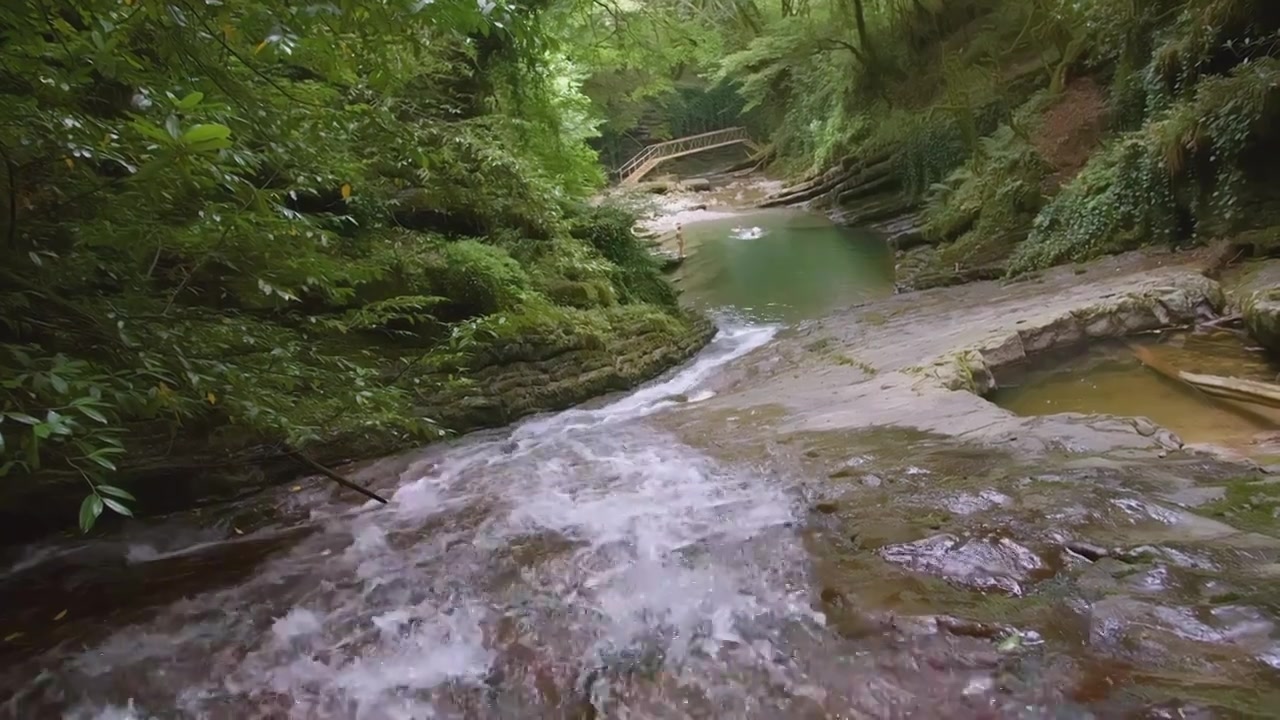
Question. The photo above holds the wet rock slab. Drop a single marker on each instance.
(922, 360)
(982, 563)
(1097, 546)
(1129, 626)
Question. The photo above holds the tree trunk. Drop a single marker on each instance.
(1246, 391)
(864, 40)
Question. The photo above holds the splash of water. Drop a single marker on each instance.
(583, 542)
(748, 233)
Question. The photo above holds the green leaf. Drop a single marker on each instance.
(159, 163)
(1010, 643)
(101, 460)
(58, 383)
(33, 453)
(211, 145)
(151, 131)
(190, 101)
(90, 509)
(23, 418)
(205, 133)
(117, 506)
(42, 431)
(116, 492)
(171, 125)
(93, 414)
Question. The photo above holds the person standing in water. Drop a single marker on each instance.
(680, 239)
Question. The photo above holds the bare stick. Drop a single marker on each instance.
(296, 455)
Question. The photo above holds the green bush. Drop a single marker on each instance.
(1185, 169)
(638, 278)
(477, 279)
(986, 208)
(241, 220)
(1121, 199)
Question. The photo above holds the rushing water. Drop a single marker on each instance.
(583, 564)
(783, 265)
(504, 571)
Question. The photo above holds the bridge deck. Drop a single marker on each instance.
(654, 155)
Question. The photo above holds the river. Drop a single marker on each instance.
(801, 522)
(582, 564)
(782, 265)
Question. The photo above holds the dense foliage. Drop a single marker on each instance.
(1029, 132)
(259, 220)
(256, 223)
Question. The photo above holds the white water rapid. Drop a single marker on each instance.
(576, 561)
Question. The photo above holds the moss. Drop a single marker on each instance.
(842, 359)
(549, 358)
(1249, 504)
(583, 295)
(477, 279)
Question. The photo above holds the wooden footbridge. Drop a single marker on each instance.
(654, 155)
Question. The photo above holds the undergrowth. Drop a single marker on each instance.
(255, 226)
(952, 93)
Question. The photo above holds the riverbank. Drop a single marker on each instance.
(668, 202)
(1102, 555)
(499, 332)
(838, 488)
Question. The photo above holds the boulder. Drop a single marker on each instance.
(1261, 311)
(1253, 290)
(655, 187)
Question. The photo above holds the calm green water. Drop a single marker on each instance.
(782, 265)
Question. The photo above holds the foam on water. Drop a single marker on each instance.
(731, 343)
(588, 536)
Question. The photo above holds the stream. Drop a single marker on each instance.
(782, 265)
(581, 564)
(512, 574)
(673, 552)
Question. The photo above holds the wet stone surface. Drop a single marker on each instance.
(985, 563)
(791, 535)
(1087, 580)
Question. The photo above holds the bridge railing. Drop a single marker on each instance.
(681, 146)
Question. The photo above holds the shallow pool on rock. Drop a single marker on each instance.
(783, 265)
(1107, 378)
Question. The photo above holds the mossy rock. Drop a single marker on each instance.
(1262, 318)
(582, 294)
(1251, 504)
(415, 208)
(556, 360)
(478, 279)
